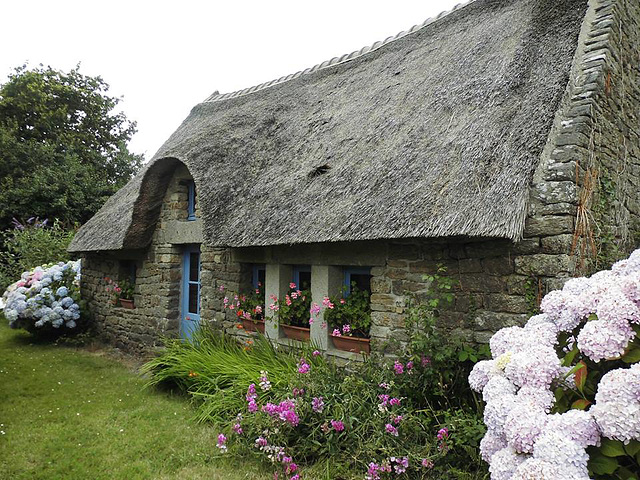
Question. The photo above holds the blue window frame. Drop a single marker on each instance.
(258, 275)
(191, 205)
(361, 276)
(302, 276)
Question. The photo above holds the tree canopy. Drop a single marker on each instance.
(63, 148)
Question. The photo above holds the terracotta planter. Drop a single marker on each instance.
(126, 303)
(297, 333)
(352, 344)
(253, 325)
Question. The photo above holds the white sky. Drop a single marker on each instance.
(165, 57)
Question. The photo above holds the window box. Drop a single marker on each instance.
(253, 325)
(127, 303)
(297, 333)
(352, 344)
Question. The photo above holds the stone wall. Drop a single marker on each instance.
(586, 186)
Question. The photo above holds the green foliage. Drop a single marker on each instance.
(531, 295)
(62, 147)
(30, 244)
(353, 310)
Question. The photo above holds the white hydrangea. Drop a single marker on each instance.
(601, 340)
(617, 404)
(542, 398)
(523, 425)
(518, 384)
(536, 469)
(504, 464)
(509, 339)
(538, 365)
(554, 447)
(496, 412)
(497, 387)
(481, 373)
(576, 425)
(490, 444)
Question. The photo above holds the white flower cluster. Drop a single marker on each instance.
(525, 441)
(44, 296)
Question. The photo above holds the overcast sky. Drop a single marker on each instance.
(165, 57)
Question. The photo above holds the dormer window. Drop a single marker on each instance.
(191, 200)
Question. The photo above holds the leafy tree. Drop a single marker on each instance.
(63, 150)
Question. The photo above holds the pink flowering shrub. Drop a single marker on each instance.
(562, 393)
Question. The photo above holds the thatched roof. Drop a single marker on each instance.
(436, 133)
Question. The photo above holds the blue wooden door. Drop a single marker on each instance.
(190, 291)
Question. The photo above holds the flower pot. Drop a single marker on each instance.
(352, 344)
(127, 303)
(297, 333)
(253, 325)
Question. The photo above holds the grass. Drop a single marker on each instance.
(68, 413)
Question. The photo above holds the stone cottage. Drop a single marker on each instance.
(500, 139)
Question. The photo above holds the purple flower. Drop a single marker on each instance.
(394, 402)
(336, 332)
(426, 463)
(443, 433)
(398, 368)
(401, 464)
(337, 425)
(303, 366)
(409, 365)
(317, 404)
(238, 429)
(346, 328)
(391, 429)
(261, 442)
(316, 353)
(397, 419)
(221, 443)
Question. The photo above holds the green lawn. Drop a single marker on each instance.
(70, 413)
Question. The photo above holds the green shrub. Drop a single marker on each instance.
(30, 244)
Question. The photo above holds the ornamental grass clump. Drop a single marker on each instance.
(562, 393)
(46, 300)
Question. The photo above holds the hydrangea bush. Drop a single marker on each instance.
(45, 299)
(562, 393)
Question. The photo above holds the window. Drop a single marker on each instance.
(302, 276)
(128, 270)
(258, 275)
(191, 199)
(358, 276)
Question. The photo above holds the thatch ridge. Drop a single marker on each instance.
(434, 134)
(217, 97)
